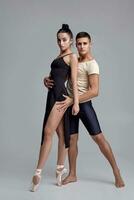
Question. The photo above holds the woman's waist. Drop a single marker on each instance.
(57, 94)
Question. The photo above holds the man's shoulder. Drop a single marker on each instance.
(92, 63)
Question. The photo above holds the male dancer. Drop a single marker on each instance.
(88, 87)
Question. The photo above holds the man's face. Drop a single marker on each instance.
(83, 45)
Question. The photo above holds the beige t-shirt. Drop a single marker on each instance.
(84, 70)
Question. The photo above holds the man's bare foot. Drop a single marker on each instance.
(69, 179)
(118, 179)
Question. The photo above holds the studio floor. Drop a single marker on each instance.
(95, 181)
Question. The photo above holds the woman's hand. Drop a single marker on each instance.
(75, 109)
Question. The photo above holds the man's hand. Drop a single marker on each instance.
(63, 105)
(48, 82)
(75, 109)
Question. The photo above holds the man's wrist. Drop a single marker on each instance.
(71, 101)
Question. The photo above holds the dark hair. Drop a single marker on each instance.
(65, 29)
(83, 34)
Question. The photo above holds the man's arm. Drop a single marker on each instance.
(49, 83)
(93, 91)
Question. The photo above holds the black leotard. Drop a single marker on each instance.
(60, 72)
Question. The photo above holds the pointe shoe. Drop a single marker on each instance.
(60, 171)
(34, 186)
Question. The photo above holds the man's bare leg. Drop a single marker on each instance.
(72, 156)
(105, 148)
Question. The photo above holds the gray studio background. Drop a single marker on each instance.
(27, 47)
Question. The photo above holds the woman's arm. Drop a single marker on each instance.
(74, 71)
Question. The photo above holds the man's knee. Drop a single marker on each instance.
(99, 139)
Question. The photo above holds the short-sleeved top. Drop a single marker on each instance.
(84, 70)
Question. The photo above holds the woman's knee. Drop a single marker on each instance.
(60, 134)
(47, 133)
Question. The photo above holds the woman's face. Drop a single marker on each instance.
(64, 41)
(83, 45)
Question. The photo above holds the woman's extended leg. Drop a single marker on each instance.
(61, 156)
(62, 151)
(52, 123)
(51, 126)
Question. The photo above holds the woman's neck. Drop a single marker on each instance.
(62, 53)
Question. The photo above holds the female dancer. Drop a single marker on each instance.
(63, 67)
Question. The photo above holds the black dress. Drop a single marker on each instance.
(60, 72)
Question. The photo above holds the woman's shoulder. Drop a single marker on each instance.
(73, 56)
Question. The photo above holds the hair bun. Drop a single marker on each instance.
(65, 26)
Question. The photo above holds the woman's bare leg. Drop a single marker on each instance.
(62, 151)
(61, 156)
(51, 125)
